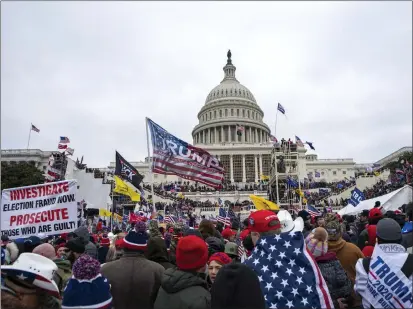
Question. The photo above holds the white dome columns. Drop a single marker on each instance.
(249, 171)
(228, 134)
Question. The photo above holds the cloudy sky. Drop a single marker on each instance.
(93, 71)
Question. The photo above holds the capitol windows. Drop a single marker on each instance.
(215, 114)
(248, 113)
(253, 115)
(220, 113)
(232, 112)
(334, 173)
(266, 164)
(233, 135)
(249, 168)
(344, 172)
(226, 113)
(210, 115)
(243, 113)
(237, 112)
(224, 159)
(237, 167)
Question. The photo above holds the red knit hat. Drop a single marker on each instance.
(227, 233)
(191, 253)
(259, 221)
(220, 257)
(375, 213)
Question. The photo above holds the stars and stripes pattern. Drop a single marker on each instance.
(35, 129)
(288, 275)
(61, 147)
(281, 109)
(32, 278)
(223, 218)
(298, 141)
(314, 212)
(64, 140)
(169, 219)
(173, 156)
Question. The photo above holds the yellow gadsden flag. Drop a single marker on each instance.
(104, 213)
(261, 203)
(124, 188)
(264, 177)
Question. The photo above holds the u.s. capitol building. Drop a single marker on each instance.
(231, 126)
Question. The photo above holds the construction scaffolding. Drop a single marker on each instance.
(284, 182)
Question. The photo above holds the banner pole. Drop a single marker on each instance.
(30, 133)
(276, 167)
(150, 161)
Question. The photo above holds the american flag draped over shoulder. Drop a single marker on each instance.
(288, 275)
(172, 156)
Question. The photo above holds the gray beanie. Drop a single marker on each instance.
(389, 230)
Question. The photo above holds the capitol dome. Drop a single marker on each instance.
(230, 114)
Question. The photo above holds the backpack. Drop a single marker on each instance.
(407, 268)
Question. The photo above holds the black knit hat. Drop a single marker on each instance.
(236, 287)
(76, 245)
(389, 230)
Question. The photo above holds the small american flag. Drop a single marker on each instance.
(288, 275)
(61, 146)
(313, 211)
(35, 129)
(169, 219)
(298, 141)
(273, 139)
(222, 217)
(281, 108)
(64, 140)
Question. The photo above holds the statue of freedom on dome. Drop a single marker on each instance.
(229, 56)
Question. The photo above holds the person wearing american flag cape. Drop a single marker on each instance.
(289, 277)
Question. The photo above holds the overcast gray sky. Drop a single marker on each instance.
(93, 71)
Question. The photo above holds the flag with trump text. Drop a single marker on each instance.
(288, 275)
(172, 156)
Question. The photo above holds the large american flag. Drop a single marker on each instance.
(223, 218)
(288, 275)
(172, 156)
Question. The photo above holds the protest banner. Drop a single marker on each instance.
(49, 208)
(387, 286)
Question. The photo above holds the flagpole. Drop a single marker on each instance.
(30, 133)
(113, 204)
(150, 163)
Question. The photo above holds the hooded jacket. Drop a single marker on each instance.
(90, 248)
(63, 274)
(157, 252)
(184, 290)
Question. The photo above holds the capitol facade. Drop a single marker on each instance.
(231, 126)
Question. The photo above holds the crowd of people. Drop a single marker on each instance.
(160, 266)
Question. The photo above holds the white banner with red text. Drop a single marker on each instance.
(49, 208)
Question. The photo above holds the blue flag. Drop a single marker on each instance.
(356, 197)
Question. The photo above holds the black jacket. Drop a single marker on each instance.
(183, 290)
(157, 252)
